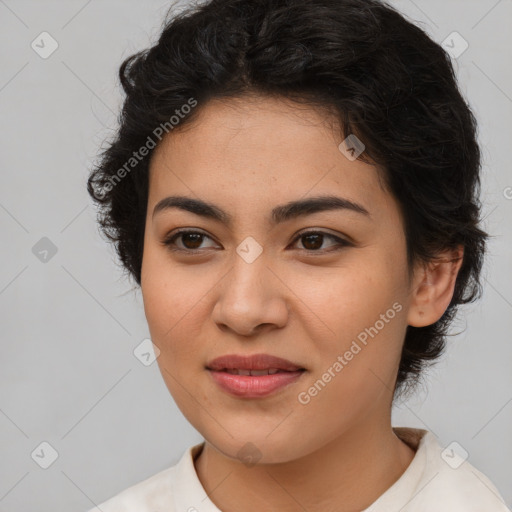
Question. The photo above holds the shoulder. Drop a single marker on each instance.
(449, 483)
(458, 485)
(163, 491)
(143, 496)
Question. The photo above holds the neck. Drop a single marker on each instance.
(345, 475)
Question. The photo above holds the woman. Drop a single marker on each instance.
(294, 186)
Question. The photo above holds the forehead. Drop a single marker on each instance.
(260, 151)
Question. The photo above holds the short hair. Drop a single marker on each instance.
(382, 77)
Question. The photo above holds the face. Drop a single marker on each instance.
(325, 288)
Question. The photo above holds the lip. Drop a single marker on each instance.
(252, 362)
(253, 386)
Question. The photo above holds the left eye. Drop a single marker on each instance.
(313, 240)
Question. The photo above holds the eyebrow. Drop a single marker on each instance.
(279, 214)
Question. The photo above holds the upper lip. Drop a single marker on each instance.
(252, 362)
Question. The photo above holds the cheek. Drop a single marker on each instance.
(359, 369)
(171, 299)
(343, 301)
(360, 316)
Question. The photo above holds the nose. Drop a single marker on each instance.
(250, 299)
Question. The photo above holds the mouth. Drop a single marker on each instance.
(257, 373)
(253, 363)
(253, 376)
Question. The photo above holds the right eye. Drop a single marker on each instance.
(190, 240)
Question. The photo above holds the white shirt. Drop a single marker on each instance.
(436, 480)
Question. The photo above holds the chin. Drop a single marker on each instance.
(252, 444)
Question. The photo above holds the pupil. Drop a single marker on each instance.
(317, 239)
(197, 240)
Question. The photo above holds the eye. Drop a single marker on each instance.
(313, 241)
(190, 239)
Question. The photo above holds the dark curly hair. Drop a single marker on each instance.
(380, 75)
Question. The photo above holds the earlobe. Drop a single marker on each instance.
(433, 287)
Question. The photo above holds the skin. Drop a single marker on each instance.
(337, 452)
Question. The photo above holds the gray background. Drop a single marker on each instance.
(70, 324)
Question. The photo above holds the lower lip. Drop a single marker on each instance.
(257, 386)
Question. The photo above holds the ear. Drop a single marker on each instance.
(433, 286)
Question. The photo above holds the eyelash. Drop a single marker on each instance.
(169, 241)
